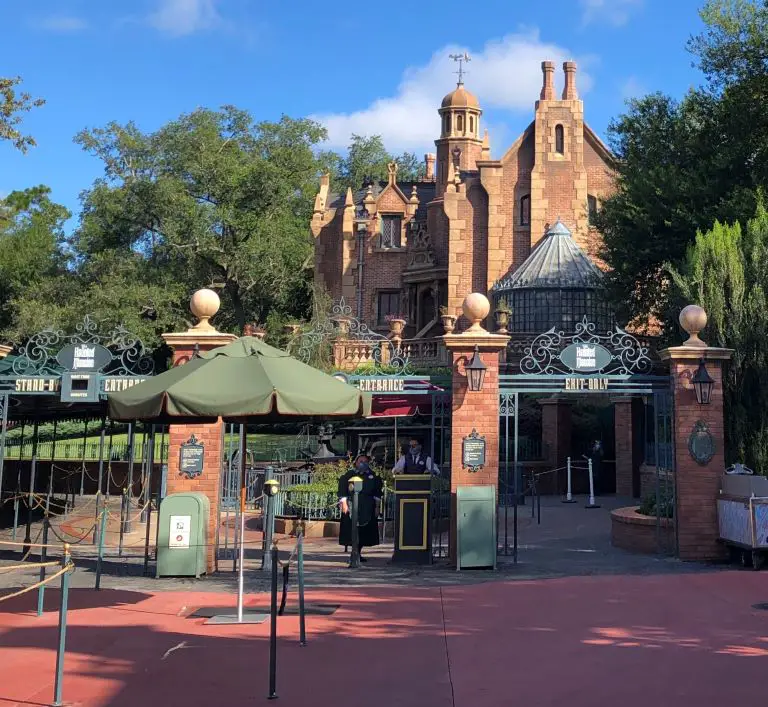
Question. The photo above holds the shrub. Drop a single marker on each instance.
(666, 504)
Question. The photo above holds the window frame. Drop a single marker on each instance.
(388, 218)
(381, 316)
(591, 209)
(559, 139)
(525, 210)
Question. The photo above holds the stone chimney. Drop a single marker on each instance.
(569, 90)
(548, 87)
(429, 166)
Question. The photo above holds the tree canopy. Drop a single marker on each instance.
(12, 105)
(367, 160)
(683, 164)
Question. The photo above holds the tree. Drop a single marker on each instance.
(211, 199)
(31, 236)
(683, 165)
(726, 272)
(11, 105)
(367, 159)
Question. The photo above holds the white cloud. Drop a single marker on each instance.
(506, 74)
(632, 88)
(613, 12)
(61, 24)
(183, 17)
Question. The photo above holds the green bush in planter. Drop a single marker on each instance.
(666, 504)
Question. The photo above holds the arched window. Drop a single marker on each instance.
(459, 123)
(472, 124)
(447, 125)
(559, 140)
(591, 209)
(525, 210)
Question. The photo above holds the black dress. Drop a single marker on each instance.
(367, 525)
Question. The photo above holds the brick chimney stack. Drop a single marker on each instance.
(548, 87)
(569, 91)
(429, 164)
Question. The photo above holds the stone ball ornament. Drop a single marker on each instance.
(204, 304)
(476, 308)
(693, 319)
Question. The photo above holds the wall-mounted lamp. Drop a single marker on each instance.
(703, 384)
(475, 370)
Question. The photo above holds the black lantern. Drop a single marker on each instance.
(475, 372)
(703, 384)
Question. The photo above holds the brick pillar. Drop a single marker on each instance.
(623, 432)
(205, 337)
(474, 410)
(556, 430)
(697, 485)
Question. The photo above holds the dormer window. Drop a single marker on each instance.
(559, 140)
(391, 227)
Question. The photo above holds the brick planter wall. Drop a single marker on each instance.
(637, 533)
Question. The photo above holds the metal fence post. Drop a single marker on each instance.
(123, 514)
(43, 558)
(100, 557)
(300, 565)
(65, 560)
(273, 627)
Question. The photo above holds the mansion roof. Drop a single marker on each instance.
(425, 191)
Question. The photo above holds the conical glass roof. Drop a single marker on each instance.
(556, 262)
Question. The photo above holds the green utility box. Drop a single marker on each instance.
(182, 535)
(475, 527)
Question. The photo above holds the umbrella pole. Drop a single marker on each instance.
(240, 569)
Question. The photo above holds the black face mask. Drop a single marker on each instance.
(416, 450)
(363, 467)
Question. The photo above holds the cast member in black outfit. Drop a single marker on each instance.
(368, 506)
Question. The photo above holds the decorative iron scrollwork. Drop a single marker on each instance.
(627, 354)
(381, 355)
(38, 355)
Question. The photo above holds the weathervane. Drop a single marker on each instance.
(461, 58)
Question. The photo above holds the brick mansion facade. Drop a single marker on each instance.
(517, 227)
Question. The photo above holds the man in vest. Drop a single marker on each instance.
(415, 461)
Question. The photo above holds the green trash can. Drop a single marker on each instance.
(476, 527)
(182, 537)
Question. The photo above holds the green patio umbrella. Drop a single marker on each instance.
(244, 380)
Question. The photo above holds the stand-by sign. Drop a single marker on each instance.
(178, 537)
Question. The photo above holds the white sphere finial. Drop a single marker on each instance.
(693, 319)
(204, 304)
(476, 308)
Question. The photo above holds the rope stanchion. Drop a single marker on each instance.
(66, 568)
(300, 566)
(37, 585)
(273, 627)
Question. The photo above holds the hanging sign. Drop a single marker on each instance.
(381, 385)
(84, 357)
(191, 458)
(179, 531)
(473, 451)
(583, 357)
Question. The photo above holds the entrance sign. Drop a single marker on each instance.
(381, 385)
(473, 451)
(84, 357)
(585, 357)
(191, 458)
(585, 351)
(178, 537)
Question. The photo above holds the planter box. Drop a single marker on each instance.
(637, 533)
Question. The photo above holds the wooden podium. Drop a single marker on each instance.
(413, 515)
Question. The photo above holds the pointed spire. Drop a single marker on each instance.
(485, 151)
(349, 199)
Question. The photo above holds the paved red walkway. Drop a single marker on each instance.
(688, 639)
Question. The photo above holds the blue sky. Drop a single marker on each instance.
(95, 61)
